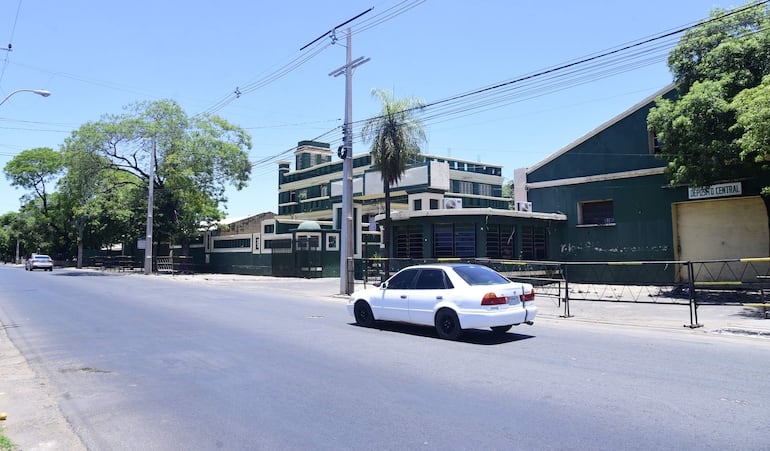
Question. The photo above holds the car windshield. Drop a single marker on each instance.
(41, 257)
(479, 275)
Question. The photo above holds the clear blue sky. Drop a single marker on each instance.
(96, 57)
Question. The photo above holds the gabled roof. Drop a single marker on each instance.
(601, 128)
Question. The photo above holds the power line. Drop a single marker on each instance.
(309, 51)
(10, 42)
(386, 15)
(624, 58)
(586, 59)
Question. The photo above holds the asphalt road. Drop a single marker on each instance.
(145, 362)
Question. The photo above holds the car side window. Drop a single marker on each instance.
(402, 280)
(431, 279)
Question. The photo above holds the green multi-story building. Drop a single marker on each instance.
(441, 207)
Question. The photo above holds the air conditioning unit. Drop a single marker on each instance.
(523, 206)
(452, 203)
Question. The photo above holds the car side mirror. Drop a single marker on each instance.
(382, 285)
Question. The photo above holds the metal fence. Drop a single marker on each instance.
(685, 283)
(174, 264)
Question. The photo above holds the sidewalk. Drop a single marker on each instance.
(719, 319)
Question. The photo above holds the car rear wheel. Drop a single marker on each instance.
(447, 324)
(363, 314)
(501, 329)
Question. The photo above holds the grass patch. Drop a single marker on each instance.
(5, 443)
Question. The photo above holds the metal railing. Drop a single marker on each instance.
(691, 283)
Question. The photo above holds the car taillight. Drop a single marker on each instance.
(493, 299)
(528, 297)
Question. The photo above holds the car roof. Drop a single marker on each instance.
(445, 265)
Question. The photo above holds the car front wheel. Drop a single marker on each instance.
(363, 314)
(447, 324)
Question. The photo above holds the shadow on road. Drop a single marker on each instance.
(82, 274)
(472, 336)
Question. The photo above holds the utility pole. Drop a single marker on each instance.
(347, 234)
(148, 238)
(345, 152)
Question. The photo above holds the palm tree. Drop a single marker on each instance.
(396, 135)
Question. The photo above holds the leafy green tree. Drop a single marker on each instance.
(100, 201)
(195, 159)
(717, 128)
(36, 230)
(396, 136)
(10, 234)
(752, 108)
(80, 186)
(508, 188)
(35, 169)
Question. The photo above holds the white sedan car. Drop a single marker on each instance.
(39, 261)
(451, 297)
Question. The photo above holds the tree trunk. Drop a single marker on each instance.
(766, 200)
(185, 247)
(80, 243)
(386, 232)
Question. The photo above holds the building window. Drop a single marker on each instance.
(465, 240)
(533, 243)
(501, 241)
(596, 213)
(656, 145)
(465, 187)
(307, 243)
(324, 190)
(417, 204)
(331, 243)
(443, 245)
(485, 190)
(454, 240)
(369, 220)
(408, 241)
(279, 246)
(269, 228)
(434, 204)
(232, 244)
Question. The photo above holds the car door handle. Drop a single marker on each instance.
(403, 296)
(439, 297)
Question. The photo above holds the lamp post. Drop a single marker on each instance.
(40, 92)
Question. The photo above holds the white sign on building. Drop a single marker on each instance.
(720, 190)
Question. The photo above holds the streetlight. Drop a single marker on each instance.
(40, 92)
